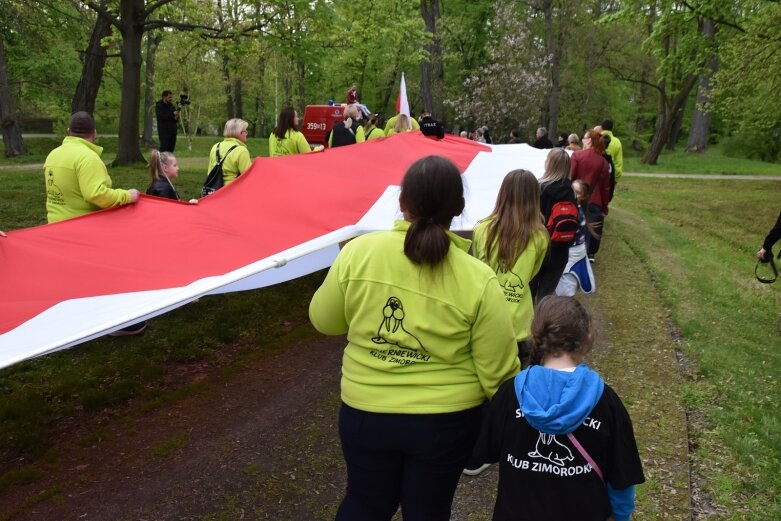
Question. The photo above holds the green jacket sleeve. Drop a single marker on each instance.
(95, 184)
(301, 144)
(494, 350)
(326, 310)
(272, 145)
(360, 135)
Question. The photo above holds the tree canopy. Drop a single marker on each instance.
(656, 67)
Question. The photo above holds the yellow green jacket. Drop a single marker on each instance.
(616, 152)
(515, 282)
(237, 162)
(420, 340)
(294, 143)
(373, 132)
(392, 121)
(77, 181)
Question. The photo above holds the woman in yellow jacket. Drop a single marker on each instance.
(286, 139)
(233, 149)
(429, 338)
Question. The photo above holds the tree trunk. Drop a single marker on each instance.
(92, 68)
(237, 98)
(260, 124)
(701, 119)
(555, 59)
(301, 87)
(129, 151)
(227, 88)
(431, 66)
(675, 128)
(152, 41)
(12, 134)
(666, 118)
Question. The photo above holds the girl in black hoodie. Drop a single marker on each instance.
(555, 186)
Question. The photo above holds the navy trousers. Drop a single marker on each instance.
(412, 460)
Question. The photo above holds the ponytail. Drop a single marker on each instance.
(156, 161)
(432, 193)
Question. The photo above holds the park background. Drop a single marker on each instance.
(689, 339)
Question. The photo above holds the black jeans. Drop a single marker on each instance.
(412, 460)
(597, 218)
(545, 282)
(167, 141)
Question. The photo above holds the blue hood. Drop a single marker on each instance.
(557, 402)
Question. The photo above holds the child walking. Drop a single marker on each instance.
(563, 439)
(162, 168)
(513, 242)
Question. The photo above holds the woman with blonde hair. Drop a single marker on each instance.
(573, 142)
(402, 124)
(555, 186)
(162, 168)
(232, 151)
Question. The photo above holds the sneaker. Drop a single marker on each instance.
(135, 329)
(591, 259)
(473, 469)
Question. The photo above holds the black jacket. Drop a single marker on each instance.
(166, 121)
(162, 187)
(342, 135)
(773, 236)
(431, 127)
(542, 143)
(551, 193)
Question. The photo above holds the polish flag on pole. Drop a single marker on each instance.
(402, 104)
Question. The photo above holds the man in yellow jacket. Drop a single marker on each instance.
(77, 181)
(614, 149)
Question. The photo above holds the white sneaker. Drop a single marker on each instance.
(474, 470)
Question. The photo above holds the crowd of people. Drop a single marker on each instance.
(459, 354)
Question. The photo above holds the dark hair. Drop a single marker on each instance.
(561, 325)
(285, 122)
(81, 124)
(432, 193)
(166, 93)
(378, 120)
(607, 124)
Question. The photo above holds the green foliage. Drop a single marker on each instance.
(745, 91)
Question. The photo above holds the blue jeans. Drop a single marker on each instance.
(412, 460)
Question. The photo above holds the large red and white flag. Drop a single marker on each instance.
(65, 283)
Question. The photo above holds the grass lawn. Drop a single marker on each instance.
(712, 162)
(690, 341)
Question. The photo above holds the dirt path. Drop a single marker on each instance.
(187, 460)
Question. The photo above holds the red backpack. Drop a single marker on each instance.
(563, 222)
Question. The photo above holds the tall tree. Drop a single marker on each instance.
(703, 114)
(93, 61)
(431, 70)
(676, 43)
(132, 19)
(12, 134)
(153, 40)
